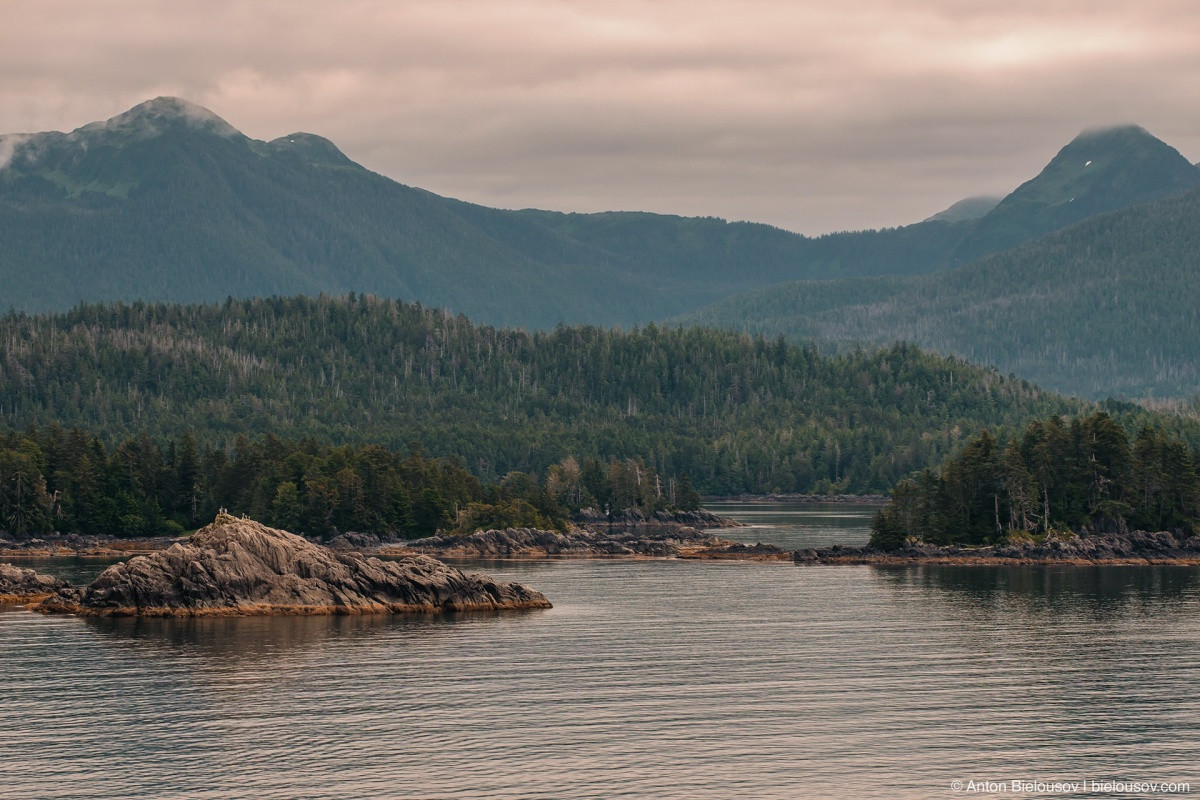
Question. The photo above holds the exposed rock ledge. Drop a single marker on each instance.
(676, 541)
(237, 567)
(19, 585)
(1137, 547)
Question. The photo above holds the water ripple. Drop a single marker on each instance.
(653, 679)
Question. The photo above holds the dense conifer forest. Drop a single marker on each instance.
(735, 412)
(53, 479)
(1085, 475)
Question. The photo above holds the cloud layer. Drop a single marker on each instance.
(877, 114)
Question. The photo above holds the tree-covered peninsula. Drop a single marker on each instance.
(1054, 477)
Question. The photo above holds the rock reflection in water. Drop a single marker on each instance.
(226, 643)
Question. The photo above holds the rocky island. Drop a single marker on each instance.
(237, 567)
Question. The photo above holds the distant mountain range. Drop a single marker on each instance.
(169, 202)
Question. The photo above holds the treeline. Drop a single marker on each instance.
(1085, 475)
(735, 412)
(52, 479)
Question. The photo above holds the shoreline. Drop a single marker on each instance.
(727, 551)
(661, 540)
(92, 548)
(283, 610)
(657, 526)
(653, 540)
(1111, 549)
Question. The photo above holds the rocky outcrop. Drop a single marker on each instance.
(674, 541)
(351, 541)
(19, 585)
(1137, 547)
(239, 567)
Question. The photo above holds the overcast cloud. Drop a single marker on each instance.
(876, 114)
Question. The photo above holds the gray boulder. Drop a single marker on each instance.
(18, 585)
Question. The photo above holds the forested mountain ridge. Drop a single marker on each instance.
(168, 202)
(1103, 308)
(164, 203)
(734, 412)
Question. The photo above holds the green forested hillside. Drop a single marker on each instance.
(735, 413)
(1104, 308)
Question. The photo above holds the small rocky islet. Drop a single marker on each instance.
(19, 585)
(238, 567)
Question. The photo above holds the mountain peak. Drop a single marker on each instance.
(1100, 170)
(1115, 131)
(154, 116)
(1124, 141)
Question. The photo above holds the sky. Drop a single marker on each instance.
(815, 118)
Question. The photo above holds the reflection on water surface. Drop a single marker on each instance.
(664, 679)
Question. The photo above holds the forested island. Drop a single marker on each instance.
(1053, 481)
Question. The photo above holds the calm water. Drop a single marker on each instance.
(794, 526)
(649, 679)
